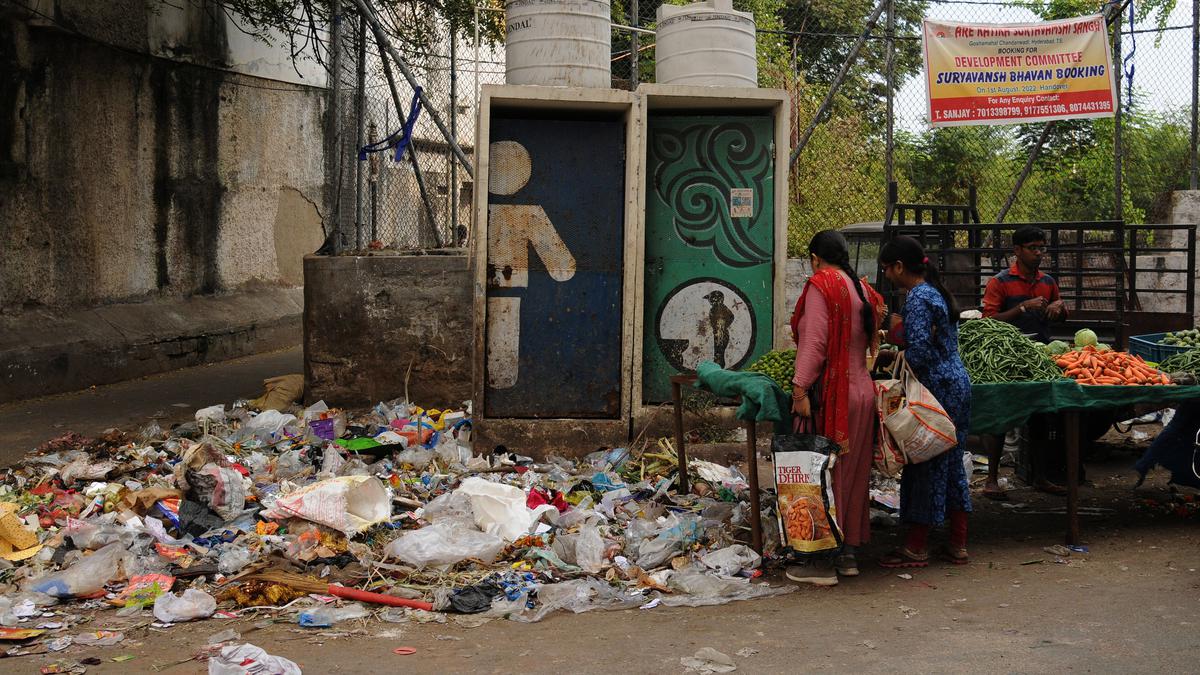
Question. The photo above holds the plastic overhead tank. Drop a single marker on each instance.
(563, 43)
(705, 43)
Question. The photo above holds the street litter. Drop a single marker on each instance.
(322, 517)
(708, 660)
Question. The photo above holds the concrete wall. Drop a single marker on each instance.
(136, 168)
(368, 319)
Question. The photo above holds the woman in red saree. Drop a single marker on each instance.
(834, 326)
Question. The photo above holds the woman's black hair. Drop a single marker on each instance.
(831, 246)
(908, 251)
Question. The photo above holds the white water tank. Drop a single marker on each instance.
(558, 43)
(705, 43)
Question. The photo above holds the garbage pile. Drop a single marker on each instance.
(321, 516)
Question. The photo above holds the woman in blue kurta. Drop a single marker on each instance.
(936, 490)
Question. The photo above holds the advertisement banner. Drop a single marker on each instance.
(1017, 73)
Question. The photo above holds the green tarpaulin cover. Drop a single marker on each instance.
(996, 408)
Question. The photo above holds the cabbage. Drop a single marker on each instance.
(1086, 337)
(1058, 348)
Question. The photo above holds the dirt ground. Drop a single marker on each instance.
(1130, 603)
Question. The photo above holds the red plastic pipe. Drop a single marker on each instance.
(377, 598)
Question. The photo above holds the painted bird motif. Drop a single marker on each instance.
(719, 318)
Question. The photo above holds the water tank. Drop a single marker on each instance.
(562, 43)
(705, 43)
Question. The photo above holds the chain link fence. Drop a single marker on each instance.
(842, 174)
(420, 199)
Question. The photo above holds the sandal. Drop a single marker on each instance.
(995, 493)
(902, 557)
(958, 556)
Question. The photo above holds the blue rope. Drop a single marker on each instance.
(401, 138)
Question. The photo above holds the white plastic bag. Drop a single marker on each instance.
(732, 559)
(214, 414)
(249, 659)
(500, 509)
(589, 549)
(444, 543)
(193, 604)
(86, 576)
(348, 504)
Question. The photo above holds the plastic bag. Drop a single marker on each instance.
(451, 505)
(289, 464)
(233, 558)
(348, 504)
(732, 559)
(669, 540)
(267, 423)
(589, 549)
(323, 617)
(220, 488)
(86, 576)
(444, 543)
(804, 484)
(695, 587)
(213, 414)
(577, 595)
(193, 604)
(500, 509)
(249, 659)
(418, 458)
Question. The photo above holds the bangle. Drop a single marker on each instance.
(799, 396)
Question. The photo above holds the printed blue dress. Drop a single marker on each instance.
(929, 489)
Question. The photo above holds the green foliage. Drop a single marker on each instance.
(821, 52)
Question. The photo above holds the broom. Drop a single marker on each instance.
(310, 585)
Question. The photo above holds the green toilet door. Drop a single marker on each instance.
(710, 245)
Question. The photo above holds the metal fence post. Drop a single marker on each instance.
(635, 44)
(360, 93)
(333, 129)
(1118, 179)
(455, 239)
(891, 87)
(1194, 182)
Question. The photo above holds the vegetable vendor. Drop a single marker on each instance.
(1029, 299)
(1023, 295)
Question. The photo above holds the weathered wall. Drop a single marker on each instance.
(368, 319)
(127, 175)
(136, 168)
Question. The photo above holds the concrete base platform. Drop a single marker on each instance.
(53, 351)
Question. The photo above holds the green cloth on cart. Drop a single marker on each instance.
(762, 399)
(996, 408)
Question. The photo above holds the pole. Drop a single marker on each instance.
(1033, 154)
(891, 85)
(333, 129)
(1118, 178)
(1194, 183)
(455, 240)
(360, 91)
(430, 109)
(475, 94)
(635, 42)
(837, 81)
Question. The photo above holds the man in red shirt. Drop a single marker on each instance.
(1023, 295)
(1029, 299)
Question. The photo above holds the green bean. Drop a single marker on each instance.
(996, 352)
(1183, 362)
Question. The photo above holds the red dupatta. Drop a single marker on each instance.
(832, 411)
